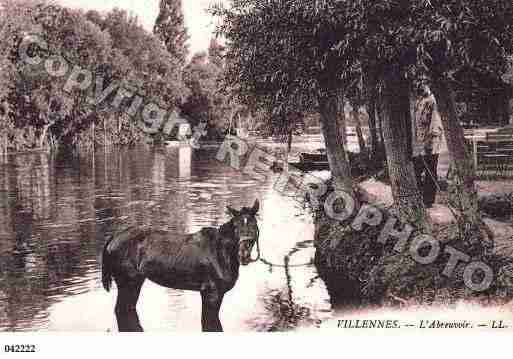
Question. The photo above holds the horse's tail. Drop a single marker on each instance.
(107, 266)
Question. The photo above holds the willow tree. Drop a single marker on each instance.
(453, 36)
(386, 57)
(293, 56)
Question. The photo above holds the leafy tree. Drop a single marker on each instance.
(216, 53)
(170, 29)
(38, 112)
(282, 55)
(142, 63)
(291, 56)
(386, 59)
(207, 102)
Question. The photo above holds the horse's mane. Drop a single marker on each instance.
(227, 229)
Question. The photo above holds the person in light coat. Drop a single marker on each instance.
(428, 141)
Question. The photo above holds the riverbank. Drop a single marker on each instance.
(360, 271)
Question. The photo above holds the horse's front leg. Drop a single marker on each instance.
(211, 299)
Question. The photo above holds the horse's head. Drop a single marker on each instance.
(246, 230)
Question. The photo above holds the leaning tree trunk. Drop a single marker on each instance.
(396, 122)
(462, 191)
(337, 157)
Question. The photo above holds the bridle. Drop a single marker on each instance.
(259, 257)
(257, 243)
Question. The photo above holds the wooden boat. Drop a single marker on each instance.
(308, 157)
(310, 166)
(318, 161)
(175, 144)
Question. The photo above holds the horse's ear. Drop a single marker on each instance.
(256, 207)
(232, 212)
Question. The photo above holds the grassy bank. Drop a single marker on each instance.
(359, 270)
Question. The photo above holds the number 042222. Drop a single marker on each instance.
(17, 348)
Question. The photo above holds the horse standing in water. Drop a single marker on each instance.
(207, 261)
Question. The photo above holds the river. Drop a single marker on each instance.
(56, 211)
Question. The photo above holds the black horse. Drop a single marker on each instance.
(207, 261)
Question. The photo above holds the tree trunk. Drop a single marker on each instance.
(359, 133)
(289, 141)
(379, 117)
(337, 158)
(462, 191)
(413, 103)
(511, 112)
(396, 123)
(289, 148)
(342, 121)
(44, 135)
(4, 145)
(104, 134)
(93, 135)
(369, 83)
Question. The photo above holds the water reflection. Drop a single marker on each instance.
(56, 212)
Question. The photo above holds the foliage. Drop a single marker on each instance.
(283, 54)
(453, 35)
(286, 52)
(170, 28)
(206, 102)
(113, 46)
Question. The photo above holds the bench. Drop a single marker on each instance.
(495, 153)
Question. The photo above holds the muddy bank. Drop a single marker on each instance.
(362, 267)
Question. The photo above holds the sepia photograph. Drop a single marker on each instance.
(249, 166)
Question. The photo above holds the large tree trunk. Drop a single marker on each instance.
(396, 123)
(462, 191)
(337, 158)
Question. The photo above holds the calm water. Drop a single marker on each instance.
(55, 214)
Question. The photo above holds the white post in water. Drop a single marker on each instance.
(184, 161)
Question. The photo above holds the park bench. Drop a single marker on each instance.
(493, 151)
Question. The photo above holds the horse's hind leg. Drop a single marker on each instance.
(211, 300)
(126, 312)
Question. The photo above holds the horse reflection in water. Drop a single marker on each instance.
(207, 261)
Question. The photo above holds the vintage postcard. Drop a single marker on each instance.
(256, 166)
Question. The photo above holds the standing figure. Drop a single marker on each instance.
(427, 143)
